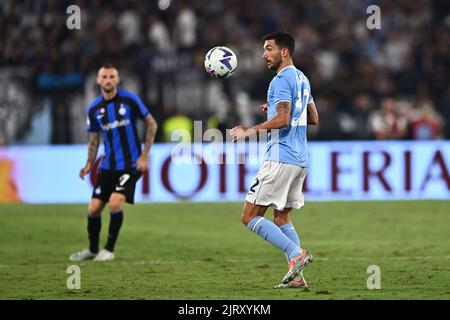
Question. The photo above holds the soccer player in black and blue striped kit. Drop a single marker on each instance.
(114, 113)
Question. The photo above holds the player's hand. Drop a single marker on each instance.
(142, 163)
(238, 133)
(264, 107)
(85, 171)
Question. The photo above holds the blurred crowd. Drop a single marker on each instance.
(392, 83)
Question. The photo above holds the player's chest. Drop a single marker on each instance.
(113, 112)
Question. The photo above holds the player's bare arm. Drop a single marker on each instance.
(280, 120)
(92, 154)
(313, 115)
(142, 161)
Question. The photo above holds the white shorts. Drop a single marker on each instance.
(278, 185)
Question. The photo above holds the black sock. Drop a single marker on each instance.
(114, 227)
(93, 228)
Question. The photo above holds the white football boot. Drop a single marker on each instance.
(104, 255)
(84, 254)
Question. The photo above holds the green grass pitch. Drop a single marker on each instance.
(202, 251)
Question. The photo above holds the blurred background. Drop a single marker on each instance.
(391, 83)
(376, 193)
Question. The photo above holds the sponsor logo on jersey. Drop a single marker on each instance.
(115, 124)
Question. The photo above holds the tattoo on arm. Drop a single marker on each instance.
(284, 112)
(281, 119)
(150, 133)
(284, 105)
(93, 147)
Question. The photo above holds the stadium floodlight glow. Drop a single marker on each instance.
(164, 4)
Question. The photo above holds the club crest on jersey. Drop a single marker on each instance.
(122, 110)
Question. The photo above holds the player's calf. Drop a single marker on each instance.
(250, 211)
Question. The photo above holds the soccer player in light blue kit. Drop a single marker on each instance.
(278, 184)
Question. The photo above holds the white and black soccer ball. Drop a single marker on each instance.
(220, 62)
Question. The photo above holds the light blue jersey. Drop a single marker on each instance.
(289, 145)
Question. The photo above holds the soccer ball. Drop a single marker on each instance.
(220, 62)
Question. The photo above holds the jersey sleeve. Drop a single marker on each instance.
(140, 108)
(91, 122)
(310, 97)
(282, 90)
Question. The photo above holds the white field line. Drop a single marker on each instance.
(168, 262)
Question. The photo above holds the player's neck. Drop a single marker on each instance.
(109, 95)
(285, 64)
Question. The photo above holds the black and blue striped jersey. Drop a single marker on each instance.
(117, 119)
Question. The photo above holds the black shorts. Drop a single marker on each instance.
(123, 182)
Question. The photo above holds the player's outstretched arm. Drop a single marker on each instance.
(313, 115)
(280, 120)
(152, 126)
(92, 154)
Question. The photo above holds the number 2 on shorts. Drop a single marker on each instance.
(123, 179)
(252, 188)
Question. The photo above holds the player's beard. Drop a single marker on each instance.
(108, 89)
(276, 63)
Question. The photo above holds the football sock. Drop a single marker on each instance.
(271, 233)
(289, 230)
(114, 227)
(93, 227)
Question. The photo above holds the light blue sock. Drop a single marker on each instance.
(271, 233)
(289, 230)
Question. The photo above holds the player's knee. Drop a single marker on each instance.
(281, 220)
(116, 204)
(277, 221)
(248, 216)
(245, 219)
(249, 212)
(94, 210)
(94, 213)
